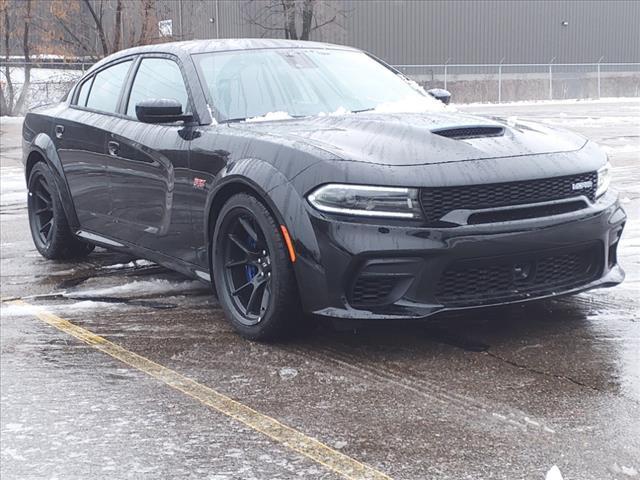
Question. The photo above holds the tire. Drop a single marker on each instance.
(248, 249)
(48, 223)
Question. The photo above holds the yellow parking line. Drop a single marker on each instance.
(287, 436)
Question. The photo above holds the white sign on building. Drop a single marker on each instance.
(166, 28)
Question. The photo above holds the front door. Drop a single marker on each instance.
(149, 167)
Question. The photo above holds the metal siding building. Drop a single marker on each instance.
(424, 32)
(416, 32)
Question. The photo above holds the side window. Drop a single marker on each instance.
(157, 78)
(84, 92)
(106, 87)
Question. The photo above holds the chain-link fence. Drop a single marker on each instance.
(468, 83)
(513, 82)
(49, 80)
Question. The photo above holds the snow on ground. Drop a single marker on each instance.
(626, 148)
(593, 121)
(566, 101)
(47, 84)
(13, 187)
(140, 288)
(5, 120)
(49, 75)
(24, 310)
(133, 264)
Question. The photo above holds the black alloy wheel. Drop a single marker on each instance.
(48, 223)
(253, 272)
(247, 266)
(41, 207)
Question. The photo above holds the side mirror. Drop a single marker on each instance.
(161, 110)
(440, 94)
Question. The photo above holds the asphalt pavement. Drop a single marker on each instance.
(114, 367)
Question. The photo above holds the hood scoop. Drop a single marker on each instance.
(472, 131)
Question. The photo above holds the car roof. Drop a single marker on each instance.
(190, 47)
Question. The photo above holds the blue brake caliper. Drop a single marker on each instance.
(250, 271)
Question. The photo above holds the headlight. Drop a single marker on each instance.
(604, 178)
(365, 201)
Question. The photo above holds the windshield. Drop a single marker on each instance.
(303, 82)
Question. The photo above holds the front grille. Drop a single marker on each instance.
(486, 281)
(372, 289)
(438, 201)
(493, 216)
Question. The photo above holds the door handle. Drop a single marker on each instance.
(114, 148)
(59, 131)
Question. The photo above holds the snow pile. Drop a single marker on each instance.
(25, 310)
(413, 104)
(267, 117)
(13, 187)
(416, 86)
(4, 120)
(554, 474)
(140, 288)
(85, 305)
(17, 310)
(287, 373)
(338, 112)
(133, 264)
(512, 121)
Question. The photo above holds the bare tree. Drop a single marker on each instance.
(294, 19)
(67, 29)
(97, 28)
(16, 22)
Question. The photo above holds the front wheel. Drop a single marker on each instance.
(252, 270)
(50, 230)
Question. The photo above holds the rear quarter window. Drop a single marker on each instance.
(106, 88)
(83, 92)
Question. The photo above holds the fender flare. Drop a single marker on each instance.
(44, 146)
(284, 202)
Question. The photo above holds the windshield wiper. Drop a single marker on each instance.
(233, 120)
(363, 110)
(243, 119)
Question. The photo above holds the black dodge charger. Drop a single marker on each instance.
(301, 177)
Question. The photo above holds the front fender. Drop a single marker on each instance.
(277, 192)
(43, 145)
(286, 204)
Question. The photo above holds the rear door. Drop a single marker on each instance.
(80, 135)
(150, 179)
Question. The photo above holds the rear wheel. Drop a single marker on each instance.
(48, 223)
(253, 273)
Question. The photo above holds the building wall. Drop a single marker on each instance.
(416, 32)
(424, 32)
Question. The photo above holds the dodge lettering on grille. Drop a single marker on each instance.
(582, 185)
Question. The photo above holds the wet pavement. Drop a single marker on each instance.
(493, 394)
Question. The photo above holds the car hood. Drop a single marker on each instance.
(416, 139)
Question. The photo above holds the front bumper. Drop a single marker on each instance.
(368, 271)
